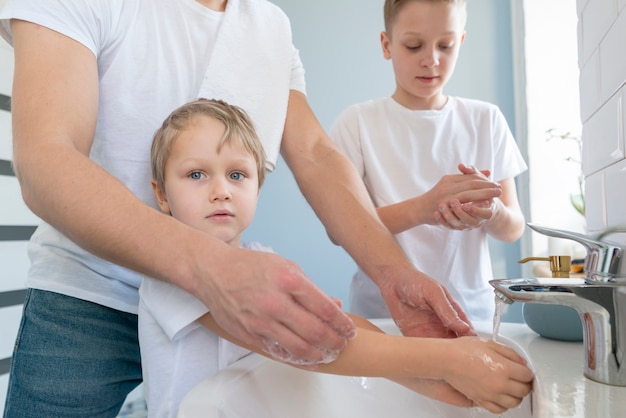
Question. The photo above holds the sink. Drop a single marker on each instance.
(258, 387)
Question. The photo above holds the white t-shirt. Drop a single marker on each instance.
(402, 153)
(152, 57)
(177, 352)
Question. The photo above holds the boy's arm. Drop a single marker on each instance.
(463, 371)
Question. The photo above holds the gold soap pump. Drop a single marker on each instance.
(556, 322)
(560, 265)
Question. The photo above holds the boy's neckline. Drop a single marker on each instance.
(448, 100)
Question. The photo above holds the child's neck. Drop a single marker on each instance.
(414, 103)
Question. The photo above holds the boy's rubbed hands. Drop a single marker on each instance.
(492, 375)
(474, 204)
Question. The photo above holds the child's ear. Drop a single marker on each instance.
(161, 198)
(384, 43)
(463, 38)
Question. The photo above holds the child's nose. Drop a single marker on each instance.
(220, 190)
(430, 58)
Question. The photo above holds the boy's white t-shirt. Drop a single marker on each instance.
(148, 65)
(177, 352)
(402, 153)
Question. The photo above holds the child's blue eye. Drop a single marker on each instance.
(236, 176)
(196, 175)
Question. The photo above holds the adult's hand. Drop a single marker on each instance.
(271, 304)
(422, 307)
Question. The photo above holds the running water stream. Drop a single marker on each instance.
(497, 317)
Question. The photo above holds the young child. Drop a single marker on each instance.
(407, 148)
(208, 166)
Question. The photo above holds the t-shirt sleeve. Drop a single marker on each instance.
(298, 81)
(175, 310)
(345, 134)
(508, 160)
(80, 20)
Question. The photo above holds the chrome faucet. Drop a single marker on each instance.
(599, 299)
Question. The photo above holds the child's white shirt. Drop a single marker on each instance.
(402, 153)
(177, 352)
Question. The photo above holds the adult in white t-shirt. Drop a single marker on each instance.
(93, 81)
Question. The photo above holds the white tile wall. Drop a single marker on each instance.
(602, 136)
(615, 177)
(601, 35)
(5, 128)
(14, 262)
(6, 58)
(13, 257)
(590, 85)
(597, 17)
(13, 210)
(611, 50)
(595, 201)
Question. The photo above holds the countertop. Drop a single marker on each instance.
(561, 389)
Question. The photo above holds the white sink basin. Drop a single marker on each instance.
(257, 387)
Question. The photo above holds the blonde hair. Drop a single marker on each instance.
(238, 126)
(392, 8)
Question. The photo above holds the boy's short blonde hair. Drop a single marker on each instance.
(239, 130)
(393, 7)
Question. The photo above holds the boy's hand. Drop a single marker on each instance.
(464, 215)
(439, 390)
(492, 375)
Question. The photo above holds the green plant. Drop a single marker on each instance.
(577, 199)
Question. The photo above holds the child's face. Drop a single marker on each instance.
(424, 46)
(216, 193)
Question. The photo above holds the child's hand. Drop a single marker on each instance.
(492, 375)
(439, 390)
(464, 215)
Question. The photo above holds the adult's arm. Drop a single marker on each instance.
(257, 297)
(331, 185)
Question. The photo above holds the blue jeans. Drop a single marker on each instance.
(72, 358)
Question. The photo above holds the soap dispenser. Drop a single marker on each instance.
(560, 265)
(556, 322)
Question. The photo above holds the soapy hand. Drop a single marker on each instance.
(458, 213)
(270, 303)
(422, 307)
(492, 375)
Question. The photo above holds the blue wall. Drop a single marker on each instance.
(339, 45)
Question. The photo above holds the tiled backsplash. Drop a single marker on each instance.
(602, 62)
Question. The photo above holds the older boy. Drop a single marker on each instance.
(407, 146)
